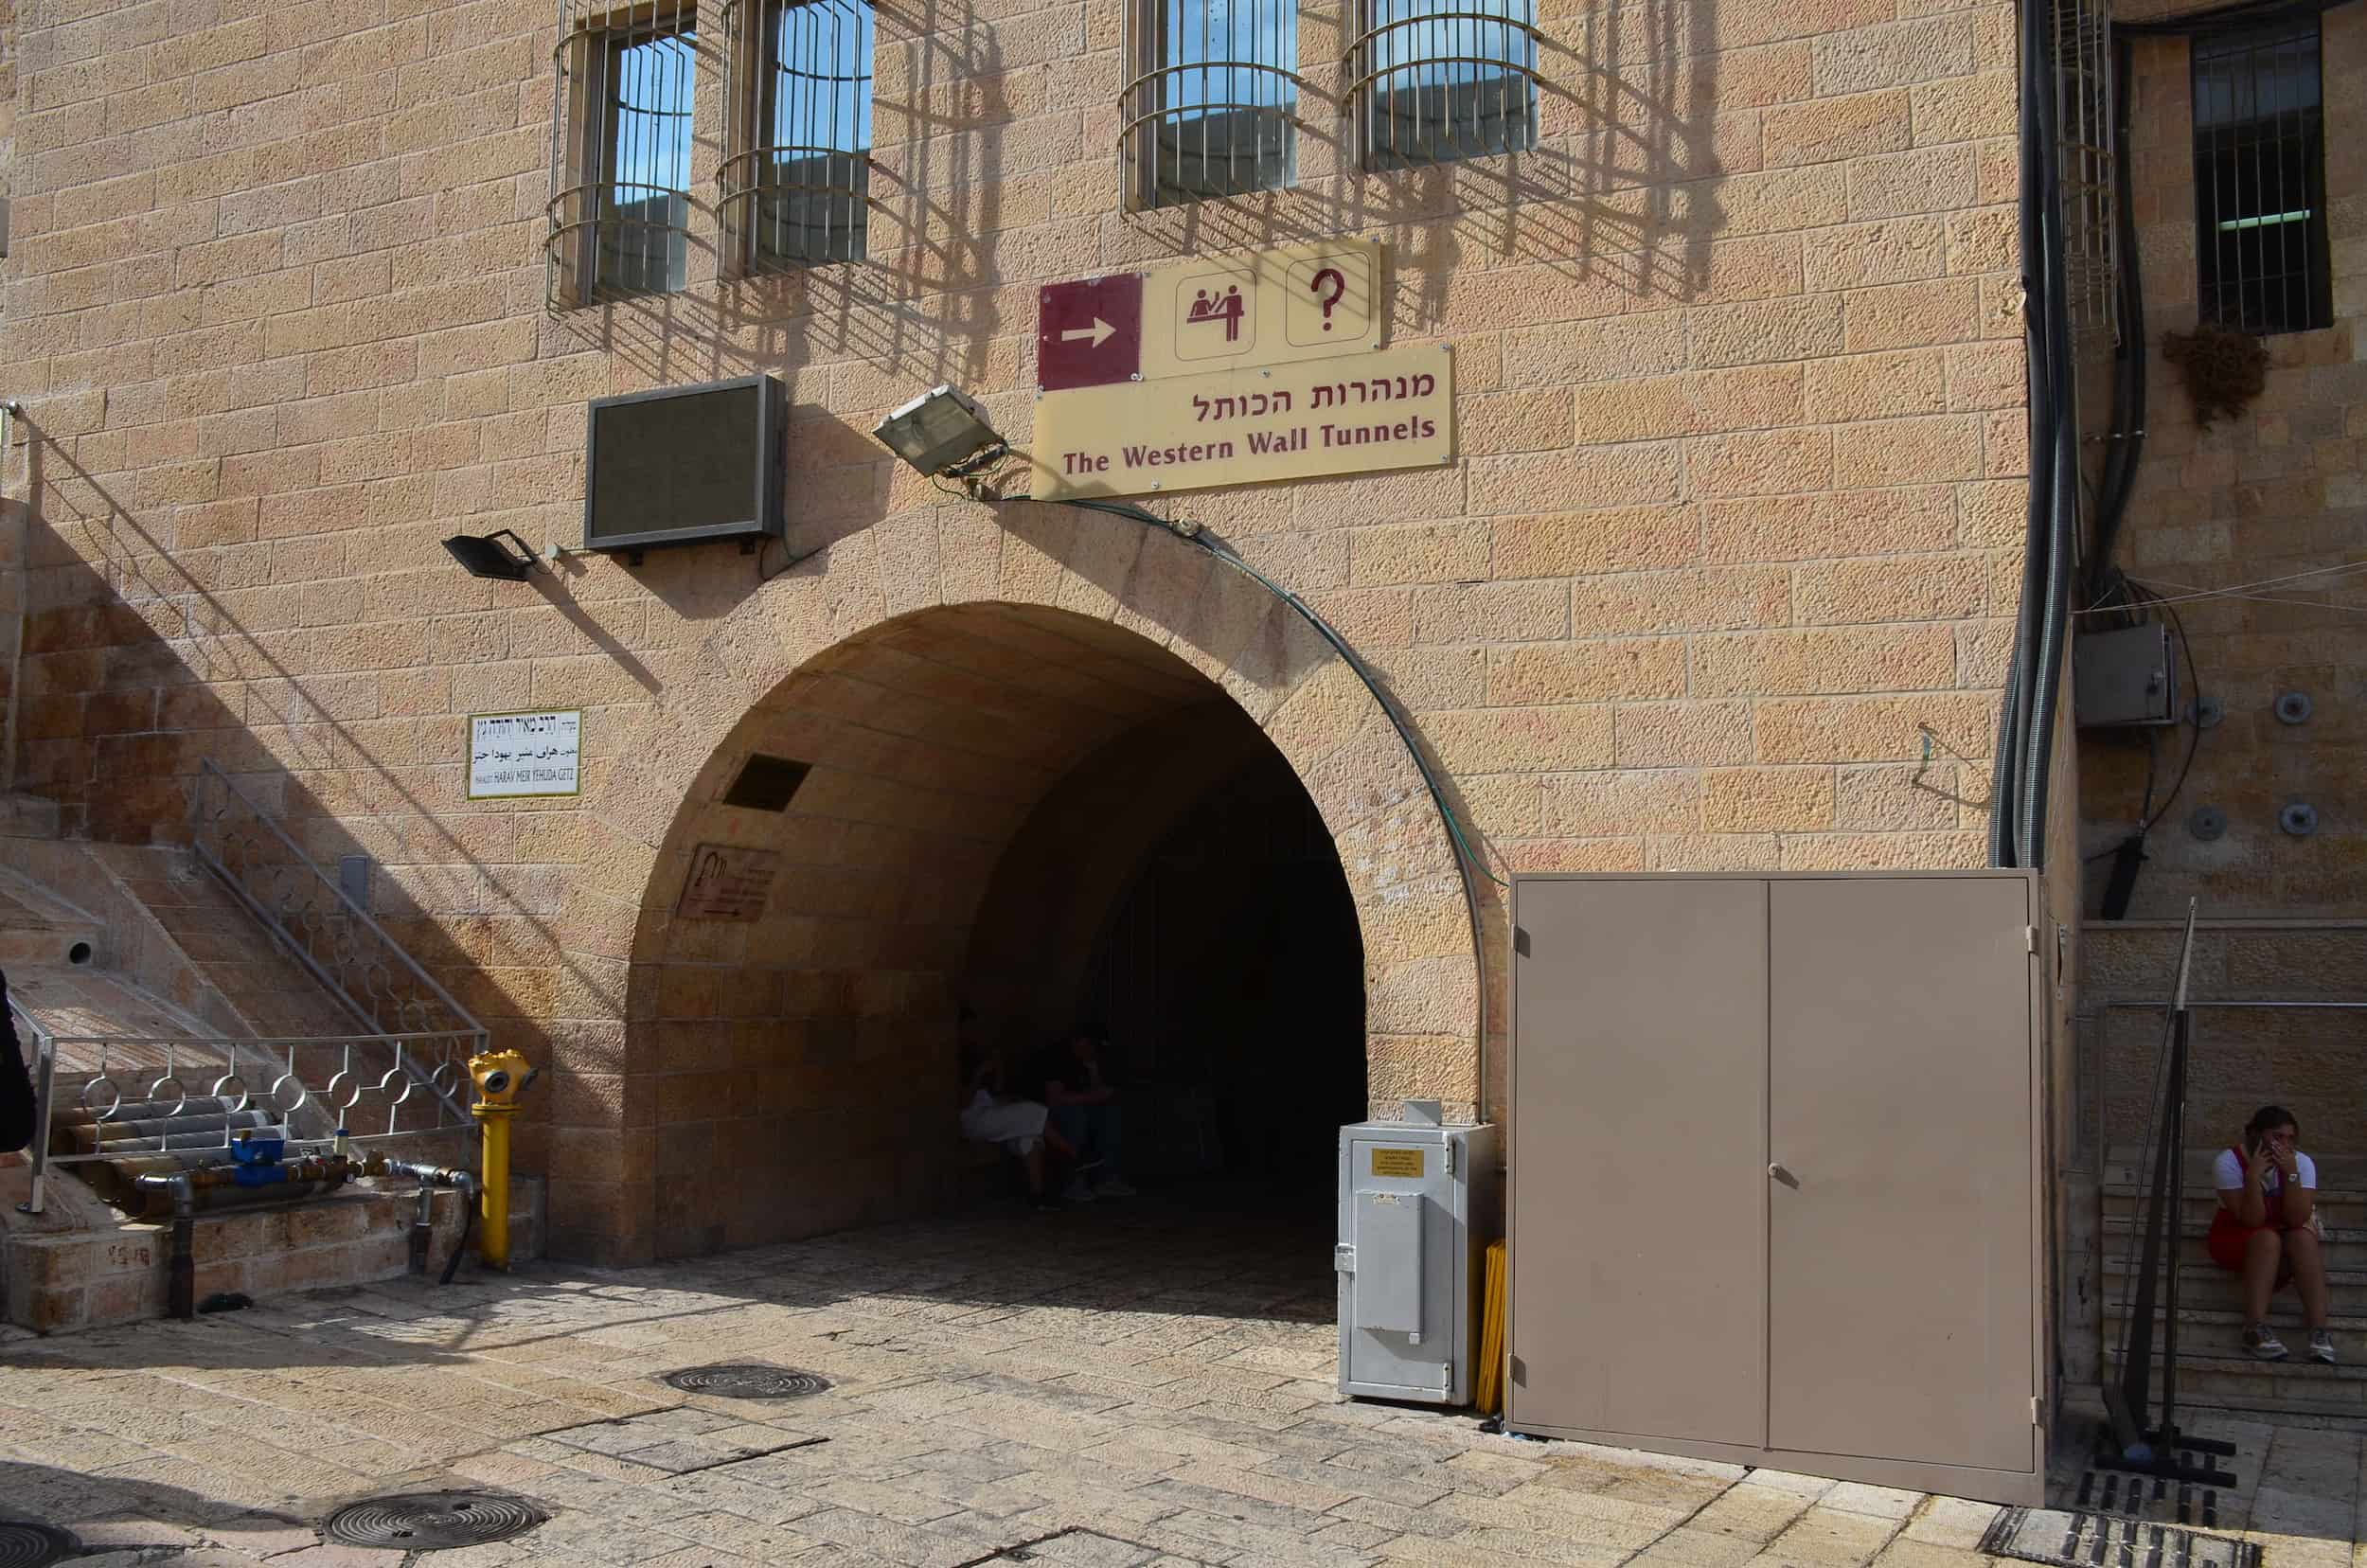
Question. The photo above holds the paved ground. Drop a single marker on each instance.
(1119, 1386)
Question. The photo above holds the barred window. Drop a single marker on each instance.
(798, 192)
(2260, 180)
(621, 152)
(1210, 104)
(1436, 79)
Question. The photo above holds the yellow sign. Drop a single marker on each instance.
(1269, 306)
(1385, 410)
(1397, 1162)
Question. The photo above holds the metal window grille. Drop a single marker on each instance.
(1210, 104)
(2084, 100)
(1431, 81)
(620, 151)
(2260, 180)
(798, 190)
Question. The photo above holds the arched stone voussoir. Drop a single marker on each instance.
(941, 674)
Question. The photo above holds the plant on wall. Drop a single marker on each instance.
(2223, 369)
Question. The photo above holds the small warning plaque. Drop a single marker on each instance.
(1397, 1162)
(728, 884)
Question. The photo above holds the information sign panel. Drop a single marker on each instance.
(513, 755)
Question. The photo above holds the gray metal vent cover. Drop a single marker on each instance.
(432, 1521)
(747, 1380)
(26, 1544)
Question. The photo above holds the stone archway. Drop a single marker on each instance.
(942, 675)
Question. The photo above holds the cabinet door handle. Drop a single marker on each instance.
(1777, 1171)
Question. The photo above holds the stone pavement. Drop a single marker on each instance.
(1123, 1384)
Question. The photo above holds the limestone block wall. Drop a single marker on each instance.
(1720, 577)
(2272, 493)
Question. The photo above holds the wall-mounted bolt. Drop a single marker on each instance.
(2292, 708)
(2299, 819)
(2207, 823)
(2208, 712)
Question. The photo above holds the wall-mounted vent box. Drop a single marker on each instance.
(685, 465)
(2125, 677)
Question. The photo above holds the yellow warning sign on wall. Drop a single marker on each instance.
(1397, 1162)
(1351, 415)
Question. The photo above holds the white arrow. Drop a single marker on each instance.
(1100, 331)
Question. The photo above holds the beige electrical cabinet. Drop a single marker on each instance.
(1776, 1173)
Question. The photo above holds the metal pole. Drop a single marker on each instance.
(48, 1050)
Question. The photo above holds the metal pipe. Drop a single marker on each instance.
(181, 1287)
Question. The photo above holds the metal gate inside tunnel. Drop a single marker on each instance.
(1229, 979)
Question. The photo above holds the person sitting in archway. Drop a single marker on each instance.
(1085, 1112)
(991, 1113)
(2267, 1229)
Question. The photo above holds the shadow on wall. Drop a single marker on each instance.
(1616, 205)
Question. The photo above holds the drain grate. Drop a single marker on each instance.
(747, 1380)
(432, 1521)
(26, 1544)
(2109, 1541)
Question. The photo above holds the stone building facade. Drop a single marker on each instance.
(2272, 494)
(1720, 575)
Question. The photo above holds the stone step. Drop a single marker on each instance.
(28, 816)
(2122, 1167)
(2211, 1330)
(2346, 1209)
(2296, 1386)
(2344, 1247)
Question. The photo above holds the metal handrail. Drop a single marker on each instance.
(287, 1093)
(359, 946)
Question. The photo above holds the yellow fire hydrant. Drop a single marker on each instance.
(501, 1076)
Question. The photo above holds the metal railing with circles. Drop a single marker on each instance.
(129, 1097)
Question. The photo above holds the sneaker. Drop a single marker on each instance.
(1116, 1186)
(2262, 1342)
(1078, 1191)
(2321, 1346)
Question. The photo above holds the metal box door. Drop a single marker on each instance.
(1398, 1307)
(1639, 1137)
(1901, 1194)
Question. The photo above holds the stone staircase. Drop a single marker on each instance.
(2213, 1370)
(137, 943)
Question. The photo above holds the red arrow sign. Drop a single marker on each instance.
(1089, 333)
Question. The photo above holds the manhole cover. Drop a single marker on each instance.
(432, 1521)
(26, 1544)
(747, 1380)
(2085, 1539)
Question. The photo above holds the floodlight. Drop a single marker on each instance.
(938, 431)
(485, 556)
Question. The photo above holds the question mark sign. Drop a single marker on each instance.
(1338, 286)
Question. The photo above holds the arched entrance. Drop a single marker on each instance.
(996, 793)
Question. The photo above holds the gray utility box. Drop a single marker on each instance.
(1419, 1203)
(2124, 677)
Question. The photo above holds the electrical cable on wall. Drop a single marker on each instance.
(2026, 719)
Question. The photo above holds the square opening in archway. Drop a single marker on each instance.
(766, 783)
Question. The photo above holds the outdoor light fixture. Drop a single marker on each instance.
(485, 556)
(939, 432)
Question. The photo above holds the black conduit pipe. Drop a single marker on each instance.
(2027, 715)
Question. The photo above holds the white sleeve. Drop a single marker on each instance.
(2305, 1171)
(2229, 1172)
